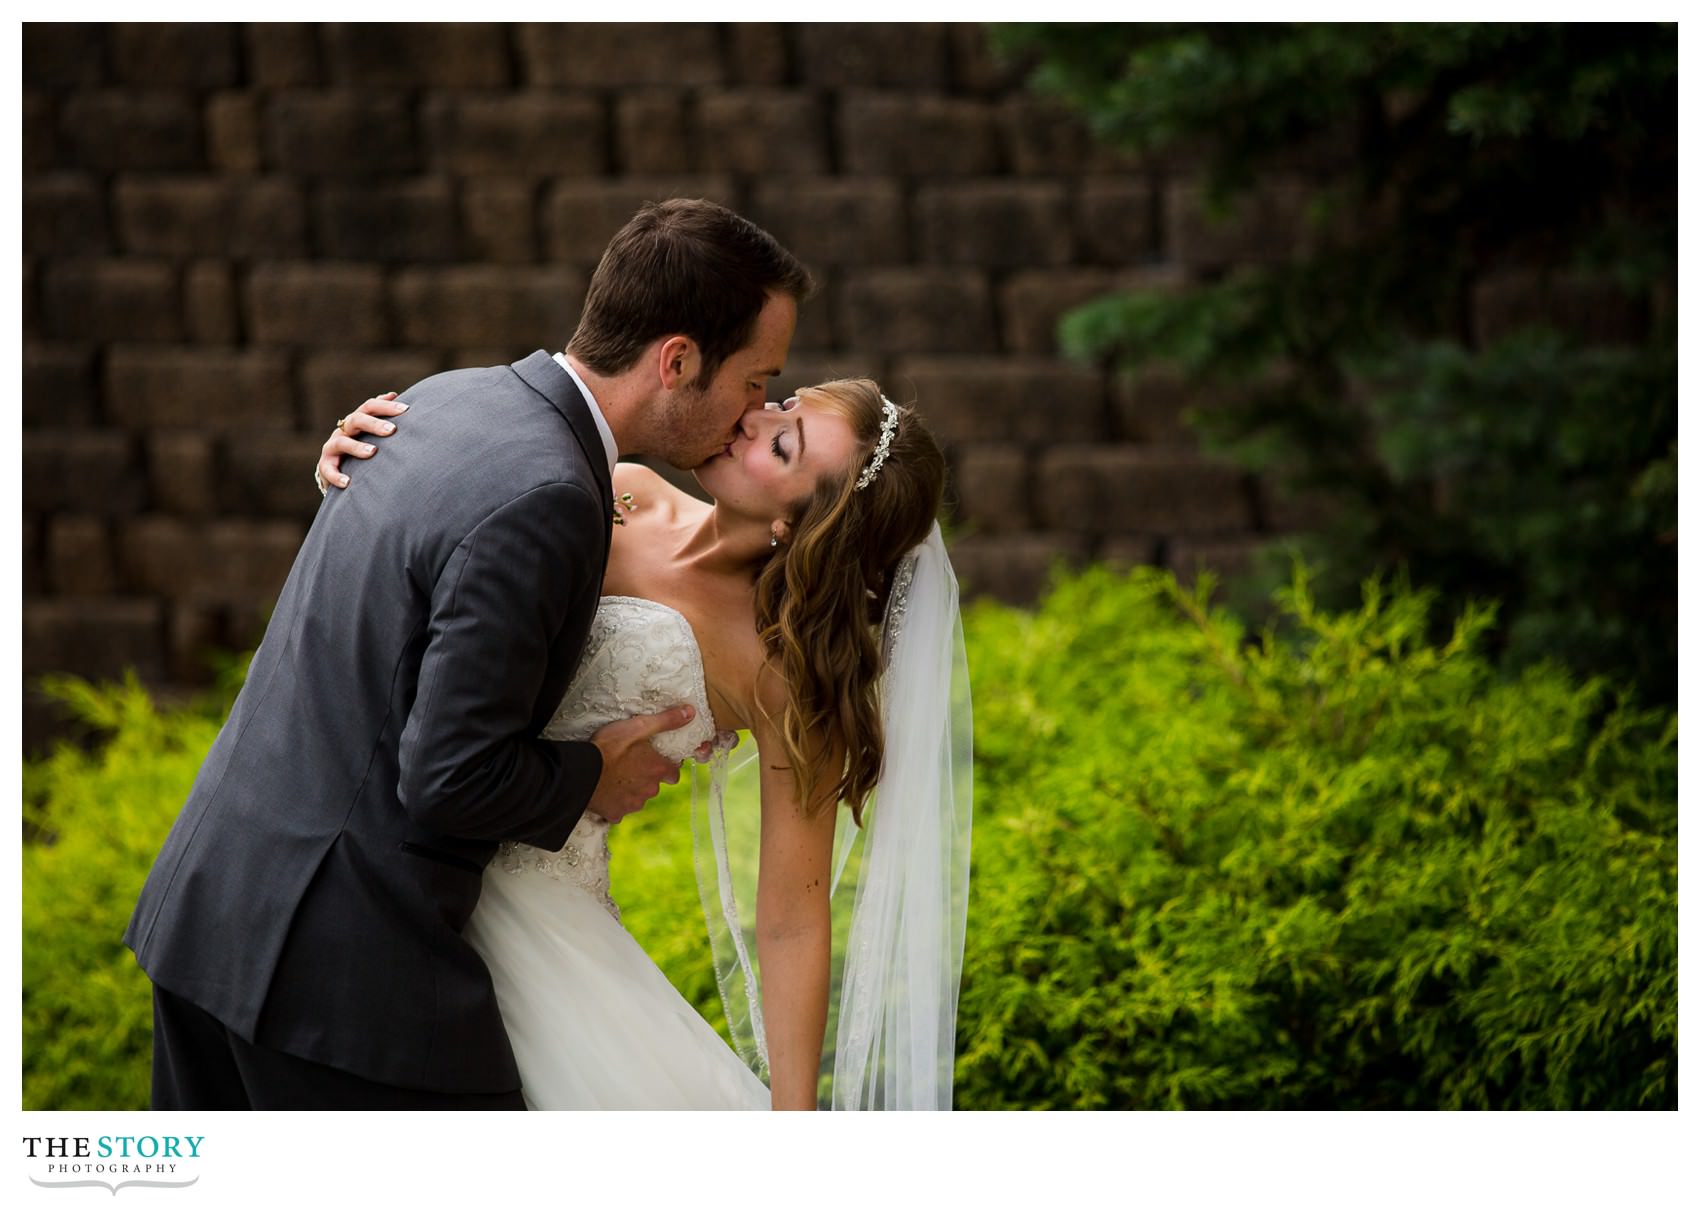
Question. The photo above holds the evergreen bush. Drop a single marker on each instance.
(1349, 868)
(93, 823)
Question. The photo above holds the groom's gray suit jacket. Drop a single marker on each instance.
(312, 893)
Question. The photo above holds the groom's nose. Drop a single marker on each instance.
(754, 406)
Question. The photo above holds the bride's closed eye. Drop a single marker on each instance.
(780, 450)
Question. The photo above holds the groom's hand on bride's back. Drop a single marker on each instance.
(632, 771)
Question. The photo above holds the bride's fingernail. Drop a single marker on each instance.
(386, 428)
(401, 406)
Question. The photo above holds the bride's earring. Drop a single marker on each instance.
(773, 540)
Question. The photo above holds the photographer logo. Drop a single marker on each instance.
(113, 1162)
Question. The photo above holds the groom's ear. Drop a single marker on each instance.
(678, 360)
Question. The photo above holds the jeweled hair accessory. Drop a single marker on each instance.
(888, 426)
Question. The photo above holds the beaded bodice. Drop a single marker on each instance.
(640, 657)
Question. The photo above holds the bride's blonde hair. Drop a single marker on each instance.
(820, 599)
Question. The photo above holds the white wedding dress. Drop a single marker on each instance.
(593, 1022)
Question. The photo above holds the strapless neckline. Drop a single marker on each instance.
(641, 656)
(696, 647)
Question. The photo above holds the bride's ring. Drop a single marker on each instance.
(342, 425)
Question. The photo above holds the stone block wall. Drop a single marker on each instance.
(234, 233)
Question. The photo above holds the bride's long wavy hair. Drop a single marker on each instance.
(820, 598)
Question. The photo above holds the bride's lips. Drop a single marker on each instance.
(737, 432)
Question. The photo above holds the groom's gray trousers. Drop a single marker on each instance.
(311, 896)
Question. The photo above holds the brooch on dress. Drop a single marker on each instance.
(623, 501)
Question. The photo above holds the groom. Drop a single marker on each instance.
(302, 925)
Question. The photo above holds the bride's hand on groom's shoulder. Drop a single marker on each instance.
(632, 771)
(369, 418)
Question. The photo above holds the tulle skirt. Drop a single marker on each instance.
(594, 1024)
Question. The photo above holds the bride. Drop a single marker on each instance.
(813, 605)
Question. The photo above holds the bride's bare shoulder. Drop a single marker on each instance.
(737, 662)
(630, 477)
(647, 485)
(761, 682)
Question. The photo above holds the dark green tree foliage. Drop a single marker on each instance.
(1522, 450)
(1350, 870)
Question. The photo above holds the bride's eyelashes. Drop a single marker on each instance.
(780, 450)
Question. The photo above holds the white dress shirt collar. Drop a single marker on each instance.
(613, 451)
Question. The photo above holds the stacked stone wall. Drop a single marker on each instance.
(233, 233)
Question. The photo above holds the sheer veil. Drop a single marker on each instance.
(900, 883)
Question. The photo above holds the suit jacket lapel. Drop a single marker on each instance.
(545, 376)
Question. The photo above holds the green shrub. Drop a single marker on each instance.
(93, 823)
(1354, 871)
(1348, 870)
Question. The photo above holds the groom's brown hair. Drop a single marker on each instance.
(687, 266)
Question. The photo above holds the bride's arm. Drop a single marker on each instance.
(793, 929)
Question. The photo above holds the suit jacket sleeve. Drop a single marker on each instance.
(471, 764)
